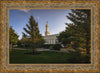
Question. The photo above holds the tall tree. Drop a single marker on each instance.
(79, 30)
(13, 37)
(33, 33)
(70, 35)
(82, 19)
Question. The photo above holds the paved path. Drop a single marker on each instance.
(50, 50)
(42, 50)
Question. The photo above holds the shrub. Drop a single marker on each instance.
(51, 48)
(47, 46)
(57, 47)
(19, 43)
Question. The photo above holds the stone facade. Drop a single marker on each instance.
(51, 39)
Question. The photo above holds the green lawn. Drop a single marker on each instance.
(18, 56)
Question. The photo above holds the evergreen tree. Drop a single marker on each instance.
(13, 37)
(82, 20)
(33, 34)
(77, 32)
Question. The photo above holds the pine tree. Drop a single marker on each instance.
(33, 30)
(33, 33)
(82, 20)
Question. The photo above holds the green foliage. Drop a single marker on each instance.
(32, 30)
(19, 43)
(32, 38)
(13, 36)
(57, 47)
(82, 21)
(77, 32)
(47, 45)
(51, 48)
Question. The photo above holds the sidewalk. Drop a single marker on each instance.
(43, 50)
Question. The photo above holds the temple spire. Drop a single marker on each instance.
(47, 29)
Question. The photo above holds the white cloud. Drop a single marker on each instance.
(25, 10)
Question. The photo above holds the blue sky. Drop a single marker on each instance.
(18, 18)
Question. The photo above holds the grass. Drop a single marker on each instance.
(18, 57)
